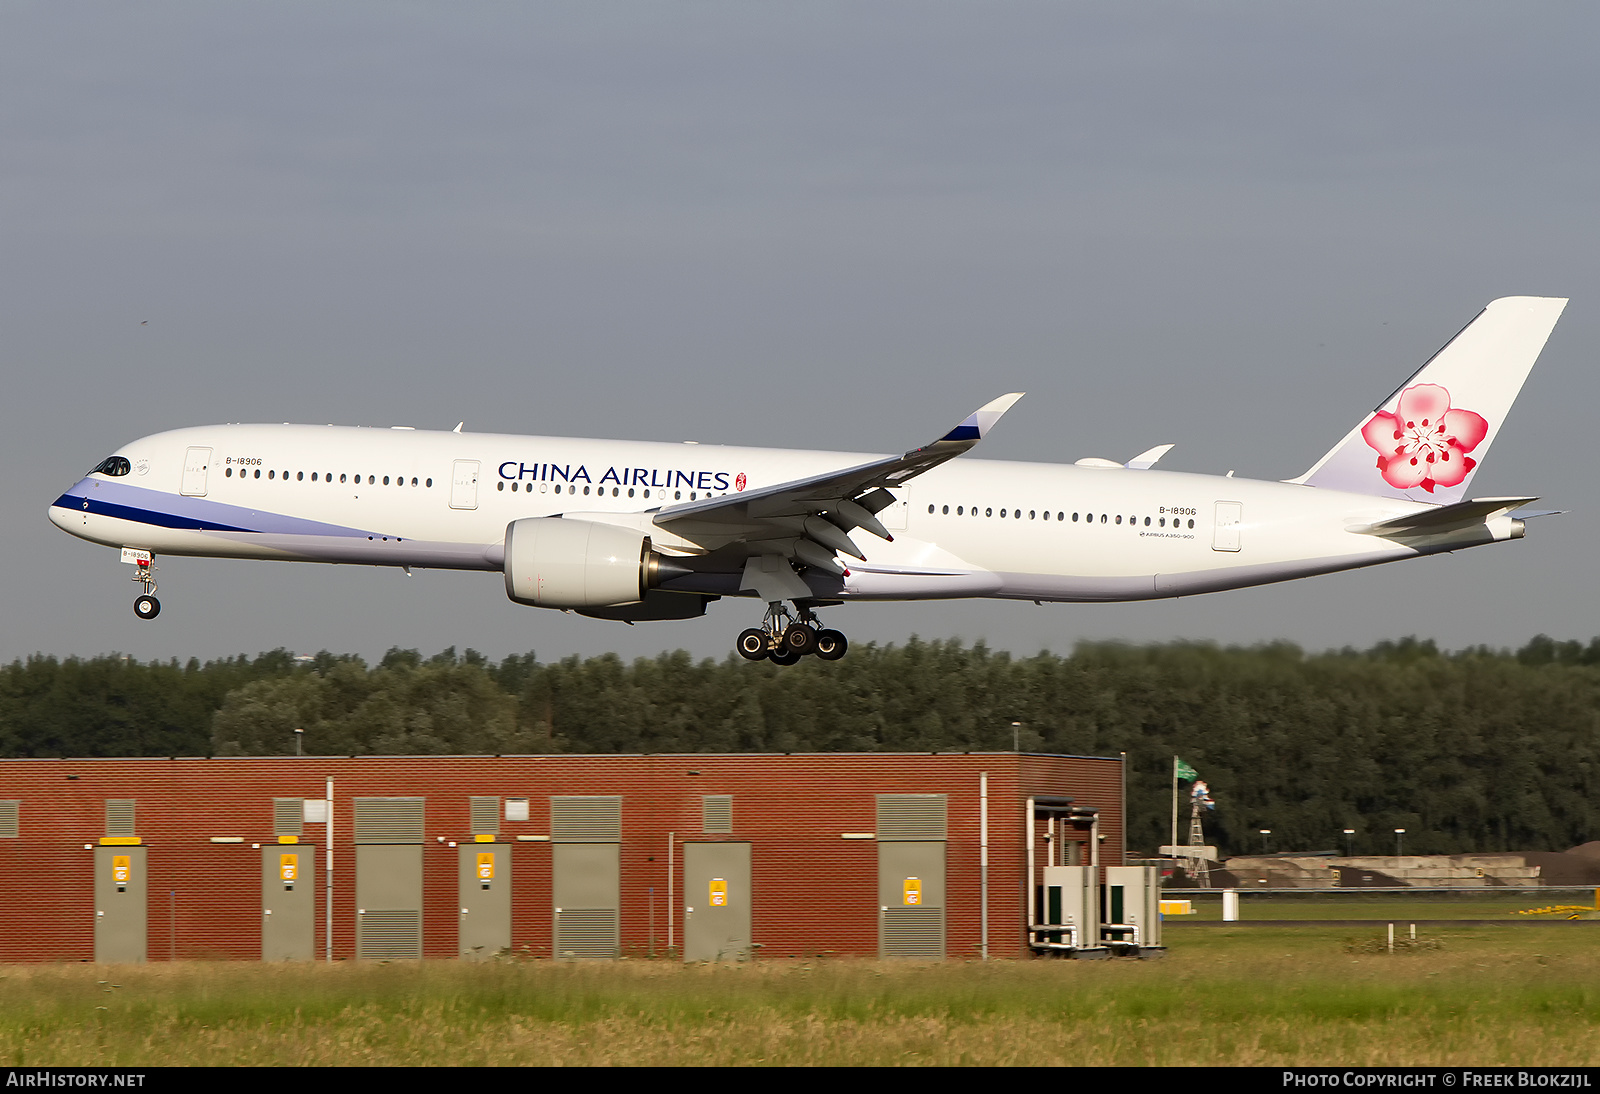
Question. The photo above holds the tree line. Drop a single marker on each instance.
(1477, 750)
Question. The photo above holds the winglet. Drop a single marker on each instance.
(1147, 459)
(980, 421)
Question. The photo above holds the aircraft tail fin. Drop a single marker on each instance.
(1425, 441)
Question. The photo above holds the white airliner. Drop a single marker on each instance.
(635, 531)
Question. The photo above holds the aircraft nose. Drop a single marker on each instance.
(66, 512)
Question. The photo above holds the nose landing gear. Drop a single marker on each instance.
(146, 606)
(783, 639)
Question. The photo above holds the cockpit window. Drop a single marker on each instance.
(113, 465)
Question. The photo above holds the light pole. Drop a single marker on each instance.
(1016, 736)
(299, 735)
(1399, 842)
(1266, 841)
(1349, 837)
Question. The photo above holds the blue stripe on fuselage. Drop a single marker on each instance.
(143, 516)
(163, 510)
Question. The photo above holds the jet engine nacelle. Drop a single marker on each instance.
(555, 563)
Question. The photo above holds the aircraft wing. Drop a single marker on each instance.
(807, 520)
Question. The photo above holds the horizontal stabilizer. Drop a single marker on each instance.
(1443, 518)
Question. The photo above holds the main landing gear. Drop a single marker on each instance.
(783, 639)
(146, 606)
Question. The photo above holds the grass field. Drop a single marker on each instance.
(1223, 995)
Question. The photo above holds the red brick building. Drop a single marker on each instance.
(572, 856)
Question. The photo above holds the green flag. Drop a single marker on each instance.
(1184, 771)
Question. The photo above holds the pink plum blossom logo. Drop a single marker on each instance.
(1425, 441)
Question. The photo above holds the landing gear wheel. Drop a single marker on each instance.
(799, 639)
(147, 607)
(784, 657)
(831, 645)
(752, 645)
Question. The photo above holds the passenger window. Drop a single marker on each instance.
(341, 478)
(1030, 514)
(930, 510)
(228, 473)
(946, 511)
(558, 488)
(429, 483)
(258, 472)
(988, 512)
(1002, 512)
(499, 486)
(586, 491)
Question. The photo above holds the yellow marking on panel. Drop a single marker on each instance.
(912, 888)
(121, 868)
(119, 841)
(719, 892)
(486, 866)
(288, 867)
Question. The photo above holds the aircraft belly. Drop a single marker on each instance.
(360, 550)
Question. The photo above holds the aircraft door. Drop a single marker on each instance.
(195, 463)
(894, 516)
(1225, 536)
(464, 485)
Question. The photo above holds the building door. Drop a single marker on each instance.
(121, 910)
(586, 885)
(484, 889)
(716, 901)
(288, 902)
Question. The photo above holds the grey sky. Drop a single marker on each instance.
(1230, 226)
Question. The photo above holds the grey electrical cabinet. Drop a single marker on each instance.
(1070, 899)
(716, 901)
(288, 902)
(1133, 908)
